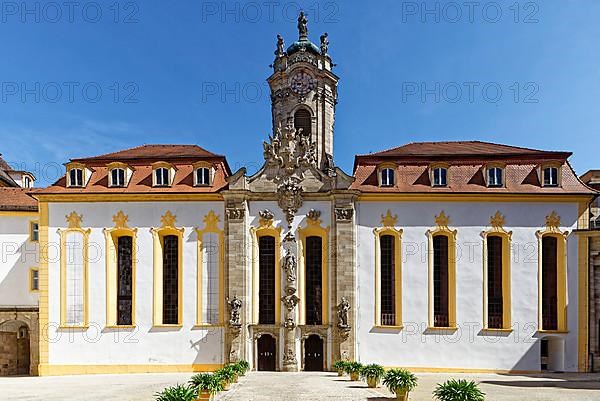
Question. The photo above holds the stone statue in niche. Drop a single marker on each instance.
(235, 306)
(290, 265)
(343, 309)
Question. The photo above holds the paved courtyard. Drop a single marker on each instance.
(294, 387)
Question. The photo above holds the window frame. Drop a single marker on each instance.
(211, 226)
(266, 229)
(162, 177)
(27, 181)
(70, 178)
(557, 184)
(112, 178)
(439, 167)
(209, 176)
(397, 235)
(34, 232)
(34, 271)
(386, 183)
(489, 170)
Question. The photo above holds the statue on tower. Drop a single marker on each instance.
(280, 52)
(302, 25)
(324, 44)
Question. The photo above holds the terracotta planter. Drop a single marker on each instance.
(204, 396)
(340, 373)
(402, 395)
(354, 377)
(235, 379)
(226, 386)
(372, 382)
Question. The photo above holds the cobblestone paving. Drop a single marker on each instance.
(265, 386)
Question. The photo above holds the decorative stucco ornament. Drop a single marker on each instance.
(289, 358)
(266, 218)
(289, 266)
(343, 326)
(120, 219)
(235, 310)
(289, 199)
(74, 220)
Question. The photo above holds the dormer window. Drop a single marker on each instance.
(117, 177)
(161, 177)
(550, 176)
(387, 177)
(27, 182)
(440, 177)
(495, 178)
(203, 176)
(76, 177)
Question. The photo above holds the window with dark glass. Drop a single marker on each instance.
(266, 276)
(76, 177)
(117, 177)
(35, 280)
(170, 279)
(494, 284)
(124, 280)
(440, 177)
(440, 281)
(495, 177)
(388, 280)
(387, 177)
(302, 120)
(549, 283)
(550, 177)
(314, 280)
(161, 176)
(203, 176)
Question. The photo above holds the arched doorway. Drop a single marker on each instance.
(15, 355)
(266, 348)
(313, 353)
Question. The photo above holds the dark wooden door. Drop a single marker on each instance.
(266, 353)
(313, 354)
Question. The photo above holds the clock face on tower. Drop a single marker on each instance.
(302, 83)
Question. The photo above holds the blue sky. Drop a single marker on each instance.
(410, 71)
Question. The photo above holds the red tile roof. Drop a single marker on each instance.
(17, 199)
(466, 174)
(154, 152)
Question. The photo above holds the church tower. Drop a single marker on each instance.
(304, 91)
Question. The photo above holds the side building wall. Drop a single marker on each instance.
(469, 348)
(145, 347)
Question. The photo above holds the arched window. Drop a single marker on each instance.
(314, 280)
(549, 283)
(170, 280)
(27, 182)
(440, 281)
(302, 120)
(388, 280)
(266, 274)
(125, 280)
(495, 291)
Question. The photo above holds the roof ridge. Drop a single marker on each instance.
(147, 145)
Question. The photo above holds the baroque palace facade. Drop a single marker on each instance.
(438, 256)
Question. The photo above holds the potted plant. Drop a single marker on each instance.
(207, 385)
(340, 367)
(180, 392)
(400, 382)
(245, 366)
(458, 390)
(226, 375)
(372, 374)
(353, 369)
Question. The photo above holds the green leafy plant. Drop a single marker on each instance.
(180, 392)
(340, 367)
(400, 380)
(207, 382)
(372, 374)
(226, 374)
(458, 390)
(353, 369)
(238, 369)
(244, 364)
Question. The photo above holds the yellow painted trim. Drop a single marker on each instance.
(158, 235)
(211, 221)
(451, 234)
(60, 370)
(31, 271)
(113, 165)
(445, 329)
(561, 273)
(397, 234)
(18, 213)
(63, 275)
(256, 233)
(43, 284)
(120, 197)
(112, 239)
(498, 230)
(484, 197)
(582, 292)
(314, 228)
(125, 326)
(492, 331)
(31, 223)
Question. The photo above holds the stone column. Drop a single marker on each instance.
(343, 300)
(290, 301)
(236, 279)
